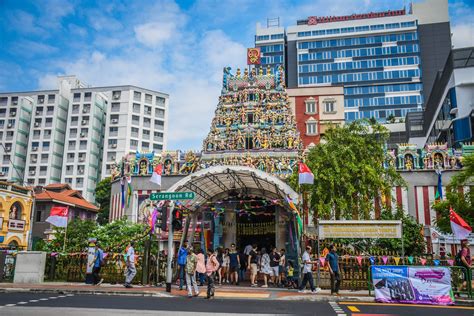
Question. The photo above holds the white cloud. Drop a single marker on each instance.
(463, 35)
(48, 81)
(27, 48)
(154, 33)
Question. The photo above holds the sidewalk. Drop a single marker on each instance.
(224, 291)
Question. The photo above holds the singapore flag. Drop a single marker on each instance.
(156, 176)
(459, 227)
(304, 174)
(58, 216)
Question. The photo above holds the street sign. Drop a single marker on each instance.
(160, 196)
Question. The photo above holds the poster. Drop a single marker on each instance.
(359, 229)
(417, 285)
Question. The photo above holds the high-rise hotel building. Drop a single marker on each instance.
(386, 61)
(75, 133)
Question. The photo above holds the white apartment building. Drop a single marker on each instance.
(74, 134)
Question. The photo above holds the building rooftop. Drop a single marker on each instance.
(62, 193)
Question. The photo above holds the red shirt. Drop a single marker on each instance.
(466, 253)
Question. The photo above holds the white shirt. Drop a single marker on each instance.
(131, 255)
(307, 267)
(247, 249)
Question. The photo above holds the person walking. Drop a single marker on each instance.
(211, 268)
(332, 260)
(265, 267)
(307, 272)
(234, 263)
(252, 263)
(191, 265)
(182, 254)
(220, 259)
(131, 271)
(465, 260)
(225, 266)
(274, 266)
(243, 266)
(98, 263)
(201, 267)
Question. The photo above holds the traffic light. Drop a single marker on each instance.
(164, 218)
(177, 220)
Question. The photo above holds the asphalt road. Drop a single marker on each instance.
(53, 304)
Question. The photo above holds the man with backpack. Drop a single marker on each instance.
(98, 263)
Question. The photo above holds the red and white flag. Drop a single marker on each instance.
(156, 176)
(304, 174)
(58, 216)
(459, 226)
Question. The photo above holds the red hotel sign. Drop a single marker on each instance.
(313, 20)
(253, 56)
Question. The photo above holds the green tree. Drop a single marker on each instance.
(102, 197)
(461, 202)
(349, 172)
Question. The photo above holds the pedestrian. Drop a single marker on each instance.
(191, 265)
(265, 267)
(182, 254)
(130, 263)
(290, 279)
(201, 267)
(248, 249)
(98, 263)
(234, 263)
(332, 260)
(220, 259)
(252, 263)
(243, 266)
(211, 267)
(464, 259)
(275, 266)
(282, 267)
(225, 265)
(307, 272)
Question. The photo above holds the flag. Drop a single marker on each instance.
(129, 190)
(156, 176)
(122, 187)
(304, 174)
(299, 221)
(459, 226)
(58, 216)
(152, 220)
(439, 189)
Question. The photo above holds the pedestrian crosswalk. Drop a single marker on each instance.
(339, 311)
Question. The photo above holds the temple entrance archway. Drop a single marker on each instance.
(239, 204)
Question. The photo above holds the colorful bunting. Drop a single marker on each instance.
(372, 260)
(450, 262)
(322, 260)
(436, 262)
(384, 259)
(410, 259)
(423, 261)
(397, 260)
(359, 260)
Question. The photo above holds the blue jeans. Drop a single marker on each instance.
(242, 274)
(202, 278)
(181, 276)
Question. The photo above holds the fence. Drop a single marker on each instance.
(7, 266)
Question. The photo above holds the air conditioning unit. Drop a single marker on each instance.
(15, 102)
(85, 110)
(35, 148)
(34, 160)
(112, 158)
(84, 122)
(13, 113)
(37, 124)
(2, 173)
(10, 125)
(116, 96)
(8, 149)
(81, 171)
(37, 112)
(32, 173)
(114, 121)
(114, 145)
(82, 159)
(83, 134)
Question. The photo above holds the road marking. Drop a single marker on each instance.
(353, 309)
(69, 294)
(52, 297)
(10, 305)
(43, 299)
(239, 295)
(22, 303)
(410, 305)
(33, 301)
(61, 296)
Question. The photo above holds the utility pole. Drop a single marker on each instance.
(169, 270)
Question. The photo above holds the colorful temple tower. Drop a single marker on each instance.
(253, 124)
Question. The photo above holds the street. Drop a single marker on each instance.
(39, 304)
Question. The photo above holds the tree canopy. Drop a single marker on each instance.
(102, 197)
(349, 172)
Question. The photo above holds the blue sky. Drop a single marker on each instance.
(178, 47)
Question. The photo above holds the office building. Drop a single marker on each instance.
(75, 133)
(449, 116)
(387, 61)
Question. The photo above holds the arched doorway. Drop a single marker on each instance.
(241, 205)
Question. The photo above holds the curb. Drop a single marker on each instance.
(87, 292)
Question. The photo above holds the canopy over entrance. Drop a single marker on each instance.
(218, 182)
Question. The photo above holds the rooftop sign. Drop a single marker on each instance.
(313, 20)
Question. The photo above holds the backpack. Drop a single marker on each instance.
(457, 260)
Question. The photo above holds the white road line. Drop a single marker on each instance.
(22, 303)
(43, 299)
(52, 297)
(69, 294)
(10, 305)
(34, 301)
(61, 296)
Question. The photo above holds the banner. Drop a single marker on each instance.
(416, 285)
(359, 229)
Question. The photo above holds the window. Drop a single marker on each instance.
(77, 97)
(146, 122)
(148, 110)
(133, 143)
(160, 113)
(137, 96)
(310, 105)
(14, 100)
(157, 136)
(159, 124)
(71, 144)
(145, 146)
(112, 143)
(73, 132)
(146, 134)
(50, 110)
(135, 132)
(83, 144)
(148, 98)
(114, 119)
(51, 98)
(42, 181)
(135, 119)
(136, 108)
(329, 106)
(87, 96)
(3, 112)
(70, 157)
(38, 213)
(45, 145)
(75, 108)
(11, 123)
(47, 133)
(160, 101)
(116, 95)
(6, 159)
(115, 107)
(113, 131)
(41, 99)
(49, 122)
(74, 120)
(43, 170)
(9, 135)
(157, 147)
(44, 158)
(79, 182)
(311, 128)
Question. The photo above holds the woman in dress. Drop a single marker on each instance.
(265, 267)
(201, 268)
(225, 265)
(220, 259)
